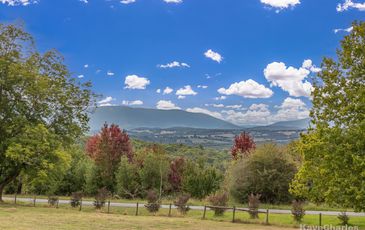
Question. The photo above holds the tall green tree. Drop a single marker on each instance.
(333, 170)
(37, 93)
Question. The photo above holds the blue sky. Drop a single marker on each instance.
(244, 61)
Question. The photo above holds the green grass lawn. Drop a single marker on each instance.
(194, 216)
(44, 218)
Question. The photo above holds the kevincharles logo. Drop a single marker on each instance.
(328, 227)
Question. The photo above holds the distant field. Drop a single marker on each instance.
(26, 218)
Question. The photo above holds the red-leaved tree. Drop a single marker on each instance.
(177, 167)
(106, 149)
(243, 146)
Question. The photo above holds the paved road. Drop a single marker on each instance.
(133, 205)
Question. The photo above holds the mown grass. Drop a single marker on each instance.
(194, 216)
(43, 218)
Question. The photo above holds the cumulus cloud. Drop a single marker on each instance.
(257, 114)
(348, 30)
(290, 79)
(174, 64)
(180, 97)
(166, 105)
(224, 106)
(136, 82)
(18, 2)
(130, 103)
(167, 90)
(348, 4)
(158, 91)
(173, 1)
(205, 111)
(127, 1)
(186, 91)
(247, 89)
(106, 101)
(80, 76)
(213, 55)
(260, 114)
(280, 4)
(86, 66)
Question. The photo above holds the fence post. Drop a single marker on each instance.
(234, 213)
(15, 198)
(80, 205)
(170, 210)
(205, 210)
(108, 206)
(267, 216)
(34, 200)
(137, 209)
(320, 219)
(58, 201)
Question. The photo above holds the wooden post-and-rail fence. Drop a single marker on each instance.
(234, 209)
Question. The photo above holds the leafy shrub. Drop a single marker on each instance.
(267, 171)
(200, 181)
(181, 204)
(219, 199)
(76, 199)
(344, 218)
(253, 205)
(153, 203)
(100, 198)
(298, 211)
(53, 200)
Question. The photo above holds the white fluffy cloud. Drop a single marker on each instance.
(136, 102)
(173, 1)
(110, 73)
(348, 4)
(167, 90)
(186, 91)
(174, 64)
(247, 89)
(86, 66)
(180, 97)
(348, 30)
(127, 1)
(221, 98)
(290, 79)
(106, 101)
(166, 105)
(205, 111)
(291, 109)
(280, 4)
(260, 114)
(158, 91)
(80, 76)
(213, 55)
(18, 2)
(136, 82)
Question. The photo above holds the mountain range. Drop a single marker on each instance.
(131, 118)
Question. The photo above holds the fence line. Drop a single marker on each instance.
(234, 209)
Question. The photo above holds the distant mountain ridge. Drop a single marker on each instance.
(132, 118)
(301, 124)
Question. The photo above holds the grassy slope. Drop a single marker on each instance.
(123, 218)
(24, 218)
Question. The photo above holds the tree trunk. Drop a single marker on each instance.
(6, 182)
(1, 193)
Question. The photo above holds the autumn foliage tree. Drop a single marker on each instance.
(175, 177)
(107, 149)
(243, 146)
